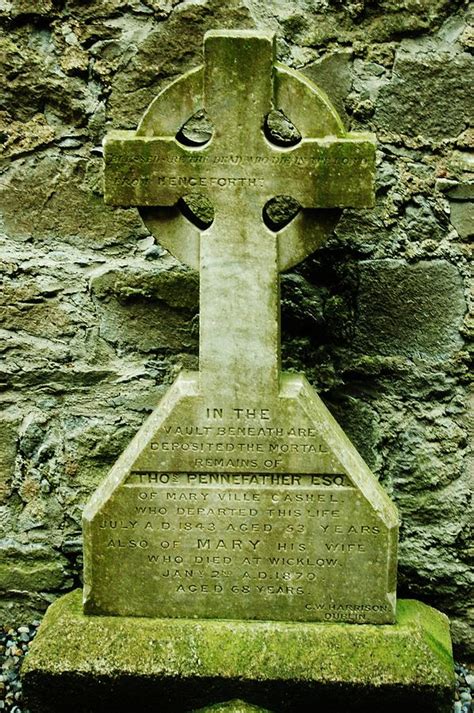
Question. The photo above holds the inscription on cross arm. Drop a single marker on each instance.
(318, 173)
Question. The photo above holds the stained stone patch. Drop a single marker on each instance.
(420, 80)
(279, 211)
(196, 131)
(462, 217)
(198, 209)
(409, 309)
(280, 129)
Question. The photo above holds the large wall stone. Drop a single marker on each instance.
(428, 93)
(414, 310)
(97, 318)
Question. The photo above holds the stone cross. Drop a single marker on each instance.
(240, 496)
(239, 170)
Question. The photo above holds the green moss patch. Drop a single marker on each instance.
(195, 662)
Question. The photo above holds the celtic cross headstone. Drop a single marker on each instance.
(241, 497)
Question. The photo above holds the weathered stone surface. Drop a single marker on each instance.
(332, 74)
(20, 137)
(150, 65)
(63, 204)
(462, 217)
(149, 309)
(255, 487)
(189, 664)
(32, 567)
(36, 309)
(8, 450)
(456, 190)
(427, 79)
(414, 310)
(176, 288)
(317, 25)
(34, 83)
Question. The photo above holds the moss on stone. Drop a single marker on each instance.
(409, 659)
(235, 706)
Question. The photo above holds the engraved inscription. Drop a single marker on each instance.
(285, 536)
(268, 479)
(208, 181)
(194, 181)
(248, 160)
(240, 438)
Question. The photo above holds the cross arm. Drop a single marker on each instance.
(334, 172)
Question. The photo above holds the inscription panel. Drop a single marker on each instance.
(237, 544)
(235, 510)
(246, 545)
(239, 510)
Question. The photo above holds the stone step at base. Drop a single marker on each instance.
(82, 663)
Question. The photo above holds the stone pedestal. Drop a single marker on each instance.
(290, 528)
(101, 663)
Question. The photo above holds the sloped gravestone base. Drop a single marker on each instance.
(80, 663)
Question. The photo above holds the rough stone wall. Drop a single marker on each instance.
(97, 319)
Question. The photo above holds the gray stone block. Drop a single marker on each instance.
(415, 310)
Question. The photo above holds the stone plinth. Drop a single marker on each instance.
(97, 663)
